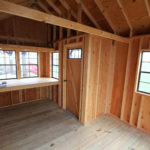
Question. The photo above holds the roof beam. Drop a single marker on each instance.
(87, 12)
(126, 17)
(79, 16)
(65, 4)
(54, 7)
(99, 5)
(147, 7)
(44, 7)
(14, 9)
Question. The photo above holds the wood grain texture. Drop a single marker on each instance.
(42, 125)
(130, 79)
(119, 78)
(73, 85)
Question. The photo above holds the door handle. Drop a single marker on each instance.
(65, 80)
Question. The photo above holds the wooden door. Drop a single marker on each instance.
(73, 77)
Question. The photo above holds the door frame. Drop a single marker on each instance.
(66, 47)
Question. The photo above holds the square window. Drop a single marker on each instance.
(8, 65)
(29, 64)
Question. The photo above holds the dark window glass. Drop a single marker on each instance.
(29, 64)
(144, 73)
(55, 65)
(75, 53)
(8, 65)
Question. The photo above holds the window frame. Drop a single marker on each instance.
(11, 65)
(138, 74)
(29, 64)
(54, 65)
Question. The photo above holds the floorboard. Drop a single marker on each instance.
(41, 125)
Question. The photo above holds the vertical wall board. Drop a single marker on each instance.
(119, 78)
(23, 31)
(43, 93)
(130, 80)
(144, 116)
(86, 76)
(93, 76)
(55, 93)
(110, 76)
(136, 101)
(145, 43)
(104, 64)
(5, 99)
(15, 97)
(31, 94)
(60, 73)
(23, 95)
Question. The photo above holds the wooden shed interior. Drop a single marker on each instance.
(75, 74)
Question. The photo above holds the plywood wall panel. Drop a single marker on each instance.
(119, 78)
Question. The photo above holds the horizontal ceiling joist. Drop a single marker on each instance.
(29, 13)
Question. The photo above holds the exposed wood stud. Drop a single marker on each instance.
(54, 33)
(60, 33)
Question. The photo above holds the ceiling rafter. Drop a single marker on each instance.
(126, 17)
(43, 7)
(100, 6)
(59, 12)
(87, 12)
(14, 9)
(147, 7)
(79, 16)
(66, 6)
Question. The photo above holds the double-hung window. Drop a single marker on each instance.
(55, 65)
(144, 73)
(29, 64)
(8, 65)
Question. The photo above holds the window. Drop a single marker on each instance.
(29, 64)
(7, 65)
(144, 73)
(55, 65)
(75, 53)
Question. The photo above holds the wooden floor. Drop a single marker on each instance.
(43, 126)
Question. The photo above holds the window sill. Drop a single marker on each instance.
(18, 84)
(143, 94)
